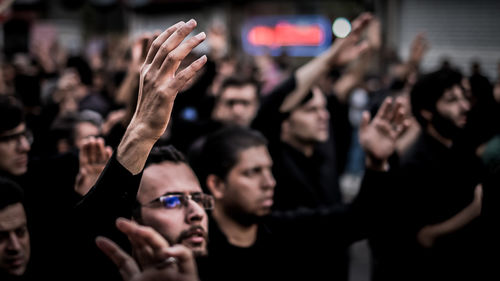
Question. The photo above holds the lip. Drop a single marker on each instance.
(23, 160)
(15, 262)
(196, 236)
(267, 202)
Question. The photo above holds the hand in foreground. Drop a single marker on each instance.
(157, 259)
(160, 81)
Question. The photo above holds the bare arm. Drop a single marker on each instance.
(429, 233)
(341, 52)
(159, 84)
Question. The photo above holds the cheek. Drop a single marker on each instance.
(167, 224)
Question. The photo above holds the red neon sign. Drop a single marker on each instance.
(286, 34)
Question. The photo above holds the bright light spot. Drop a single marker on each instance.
(341, 27)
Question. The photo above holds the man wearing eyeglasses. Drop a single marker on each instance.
(15, 139)
(169, 197)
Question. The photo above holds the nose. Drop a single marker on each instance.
(324, 114)
(194, 212)
(23, 145)
(268, 181)
(13, 243)
(465, 104)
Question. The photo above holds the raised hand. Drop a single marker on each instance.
(92, 158)
(378, 136)
(350, 48)
(160, 81)
(152, 252)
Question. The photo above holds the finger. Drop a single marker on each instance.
(156, 44)
(360, 23)
(109, 152)
(384, 110)
(184, 256)
(174, 58)
(172, 42)
(101, 151)
(142, 234)
(92, 150)
(478, 191)
(365, 120)
(125, 263)
(84, 152)
(186, 74)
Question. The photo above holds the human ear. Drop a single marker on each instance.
(216, 186)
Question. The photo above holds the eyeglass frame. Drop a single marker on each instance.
(17, 137)
(184, 200)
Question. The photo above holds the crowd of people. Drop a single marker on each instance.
(160, 163)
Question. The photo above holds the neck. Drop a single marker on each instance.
(431, 130)
(307, 148)
(238, 234)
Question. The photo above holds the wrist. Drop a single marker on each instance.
(376, 164)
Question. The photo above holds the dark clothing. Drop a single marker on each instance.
(113, 196)
(300, 181)
(281, 252)
(432, 184)
(49, 197)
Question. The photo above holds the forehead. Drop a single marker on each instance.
(318, 99)
(164, 177)
(247, 91)
(12, 217)
(454, 91)
(254, 156)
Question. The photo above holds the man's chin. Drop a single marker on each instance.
(200, 252)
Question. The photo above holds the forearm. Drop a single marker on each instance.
(307, 75)
(428, 234)
(133, 150)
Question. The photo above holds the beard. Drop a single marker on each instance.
(445, 126)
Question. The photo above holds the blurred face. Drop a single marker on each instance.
(237, 105)
(453, 106)
(14, 240)
(309, 123)
(84, 130)
(186, 224)
(249, 186)
(14, 148)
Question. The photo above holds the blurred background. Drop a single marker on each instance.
(459, 31)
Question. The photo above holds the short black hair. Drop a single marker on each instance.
(10, 193)
(239, 81)
(11, 113)
(429, 89)
(165, 153)
(219, 152)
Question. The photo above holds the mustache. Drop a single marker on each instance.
(193, 230)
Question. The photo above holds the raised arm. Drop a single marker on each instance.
(341, 52)
(159, 84)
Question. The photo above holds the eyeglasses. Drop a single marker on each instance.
(179, 200)
(17, 137)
